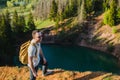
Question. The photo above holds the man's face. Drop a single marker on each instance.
(38, 37)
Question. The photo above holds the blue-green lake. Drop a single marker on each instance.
(79, 58)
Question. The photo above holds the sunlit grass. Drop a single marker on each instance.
(107, 78)
(44, 23)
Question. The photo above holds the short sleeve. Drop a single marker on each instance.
(31, 50)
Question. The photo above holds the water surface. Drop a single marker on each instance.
(79, 58)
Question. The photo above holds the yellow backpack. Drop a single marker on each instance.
(23, 54)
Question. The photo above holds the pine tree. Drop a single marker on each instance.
(30, 22)
(66, 12)
(3, 36)
(21, 24)
(113, 13)
(105, 5)
(70, 10)
(82, 12)
(89, 5)
(53, 10)
(118, 16)
(3, 28)
(73, 8)
(110, 16)
(15, 21)
(8, 26)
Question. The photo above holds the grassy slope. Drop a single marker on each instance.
(15, 73)
(44, 24)
(39, 23)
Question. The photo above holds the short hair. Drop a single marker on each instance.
(34, 32)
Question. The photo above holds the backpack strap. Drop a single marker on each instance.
(33, 44)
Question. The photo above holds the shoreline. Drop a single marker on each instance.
(93, 47)
(80, 45)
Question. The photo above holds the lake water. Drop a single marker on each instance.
(78, 59)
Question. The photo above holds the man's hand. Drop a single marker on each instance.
(41, 54)
(31, 66)
(35, 74)
(44, 61)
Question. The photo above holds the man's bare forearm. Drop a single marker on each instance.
(31, 64)
(41, 54)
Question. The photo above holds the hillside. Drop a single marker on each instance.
(90, 23)
(102, 37)
(92, 34)
(16, 73)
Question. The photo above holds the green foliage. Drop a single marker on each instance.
(9, 4)
(22, 5)
(30, 22)
(113, 12)
(108, 78)
(43, 23)
(57, 23)
(8, 26)
(54, 10)
(118, 16)
(93, 5)
(106, 5)
(110, 15)
(82, 13)
(29, 6)
(106, 17)
(98, 6)
(5, 34)
(114, 30)
(21, 24)
(70, 10)
(18, 23)
(15, 21)
(3, 28)
(89, 5)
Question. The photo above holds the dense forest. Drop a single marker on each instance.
(63, 9)
(71, 17)
(13, 26)
(76, 14)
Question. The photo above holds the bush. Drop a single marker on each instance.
(53, 11)
(29, 6)
(106, 17)
(89, 6)
(114, 30)
(70, 10)
(110, 14)
(118, 16)
(105, 5)
(9, 4)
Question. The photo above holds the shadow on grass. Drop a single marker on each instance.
(56, 72)
(90, 76)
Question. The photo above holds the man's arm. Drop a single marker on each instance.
(42, 55)
(31, 66)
